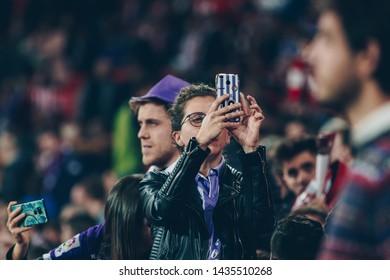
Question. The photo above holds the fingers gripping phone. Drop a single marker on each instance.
(35, 212)
(228, 84)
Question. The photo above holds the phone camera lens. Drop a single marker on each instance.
(35, 212)
(228, 82)
(40, 210)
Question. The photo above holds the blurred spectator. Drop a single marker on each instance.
(296, 238)
(59, 167)
(98, 99)
(76, 224)
(350, 66)
(51, 233)
(70, 210)
(109, 179)
(15, 168)
(89, 193)
(294, 129)
(294, 167)
(314, 213)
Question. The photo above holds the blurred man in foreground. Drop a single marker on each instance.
(350, 59)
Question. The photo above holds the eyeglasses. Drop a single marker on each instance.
(195, 119)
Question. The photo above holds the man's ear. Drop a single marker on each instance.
(176, 135)
(368, 59)
(228, 136)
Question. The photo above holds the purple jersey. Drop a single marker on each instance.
(83, 246)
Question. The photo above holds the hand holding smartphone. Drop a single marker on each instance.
(228, 84)
(35, 213)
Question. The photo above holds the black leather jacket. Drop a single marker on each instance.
(173, 208)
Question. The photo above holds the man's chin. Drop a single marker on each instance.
(215, 148)
(331, 105)
(322, 98)
(339, 100)
(147, 161)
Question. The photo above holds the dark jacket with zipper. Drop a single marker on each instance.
(173, 208)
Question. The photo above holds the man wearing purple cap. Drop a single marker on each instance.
(151, 109)
(158, 151)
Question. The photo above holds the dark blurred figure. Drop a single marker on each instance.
(350, 62)
(15, 168)
(58, 166)
(73, 225)
(89, 194)
(98, 98)
(294, 166)
(296, 238)
(314, 213)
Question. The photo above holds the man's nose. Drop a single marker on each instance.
(305, 52)
(304, 177)
(142, 133)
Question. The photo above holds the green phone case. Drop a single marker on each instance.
(35, 213)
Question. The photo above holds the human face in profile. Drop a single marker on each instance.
(333, 65)
(155, 136)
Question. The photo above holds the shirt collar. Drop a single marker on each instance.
(372, 125)
(219, 166)
(216, 169)
(168, 169)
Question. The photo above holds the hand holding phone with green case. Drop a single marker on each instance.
(35, 213)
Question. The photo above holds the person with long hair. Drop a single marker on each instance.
(124, 234)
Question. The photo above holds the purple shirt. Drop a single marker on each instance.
(83, 246)
(209, 190)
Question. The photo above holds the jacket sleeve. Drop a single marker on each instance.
(8, 256)
(162, 195)
(259, 212)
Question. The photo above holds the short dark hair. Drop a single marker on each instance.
(320, 213)
(296, 237)
(185, 94)
(364, 21)
(93, 185)
(289, 148)
(80, 222)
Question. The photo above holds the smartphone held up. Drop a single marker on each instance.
(228, 84)
(35, 212)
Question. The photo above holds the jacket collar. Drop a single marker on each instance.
(228, 187)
